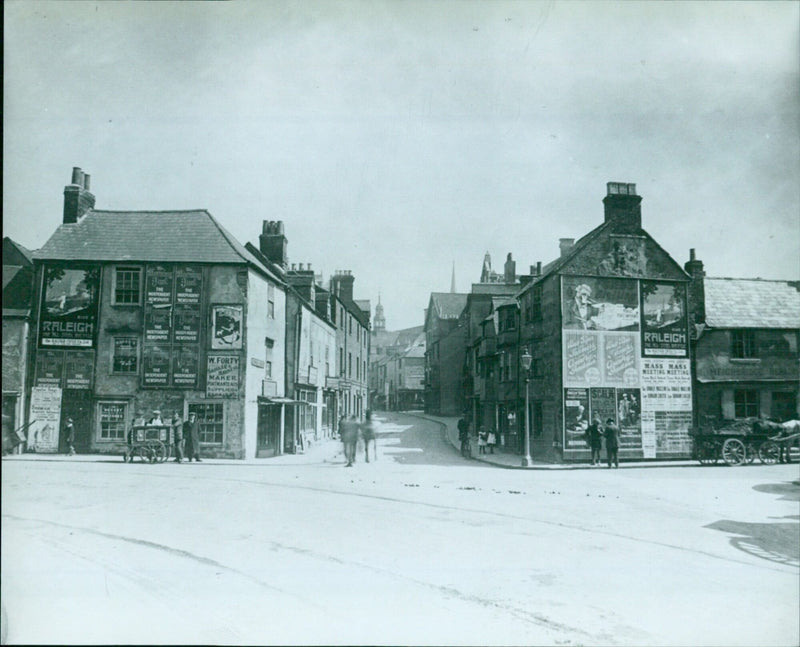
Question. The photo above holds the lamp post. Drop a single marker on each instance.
(526, 360)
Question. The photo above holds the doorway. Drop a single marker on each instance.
(78, 406)
(269, 430)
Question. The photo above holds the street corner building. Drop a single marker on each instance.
(141, 310)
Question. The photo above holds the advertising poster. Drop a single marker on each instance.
(68, 316)
(158, 285)
(582, 359)
(188, 285)
(155, 364)
(603, 404)
(157, 321)
(629, 418)
(576, 418)
(621, 359)
(186, 324)
(599, 304)
(226, 327)
(664, 322)
(50, 368)
(186, 363)
(45, 427)
(222, 378)
(79, 370)
(667, 405)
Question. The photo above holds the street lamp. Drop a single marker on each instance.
(526, 360)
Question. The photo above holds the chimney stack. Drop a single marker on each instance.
(565, 245)
(697, 289)
(623, 207)
(343, 281)
(77, 198)
(272, 242)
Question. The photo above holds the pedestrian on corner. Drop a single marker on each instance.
(69, 437)
(463, 437)
(491, 441)
(482, 435)
(191, 432)
(368, 433)
(612, 442)
(594, 436)
(177, 436)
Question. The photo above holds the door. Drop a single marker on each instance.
(78, 406)
(269, 430)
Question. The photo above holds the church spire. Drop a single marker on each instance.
(453, 279)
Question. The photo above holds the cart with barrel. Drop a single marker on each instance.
(741, 442)
(149, 443)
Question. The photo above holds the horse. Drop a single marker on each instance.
(782, 433)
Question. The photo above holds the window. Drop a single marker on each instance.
(536, 303)
(743, 344)
(268, 368)
(349, 364)
(209, 421)
(745, 404)
(112, 420)
(341, 361)
(126, 355)
(271, 301)
(127, 285)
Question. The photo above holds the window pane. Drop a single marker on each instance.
(126, 288)
(112, 421)
(209, 420)
(125, 355)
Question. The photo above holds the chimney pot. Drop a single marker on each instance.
(86, 183)
(538, 268)
(77, 176)
(565, 245)
(691, 254)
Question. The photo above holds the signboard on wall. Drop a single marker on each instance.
(155, 365)
(79, 369)
(226, 327)
(666, 405)
(599, 303)
(49, 368)
(157, 322)
(664, 321)
(186, 364)
(186, 324)
(68, 315)
(576, 417)
(45, 428)
(188, 285)
(158, 285)
(222, 378)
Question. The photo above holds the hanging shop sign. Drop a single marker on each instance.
(222, 376)
(226, 327)
(68, 315)
(664, 322)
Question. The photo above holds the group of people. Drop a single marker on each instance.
(185, 435)
(350, 430)
(487, 439)
(596, 432)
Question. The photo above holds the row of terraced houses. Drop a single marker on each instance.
(121, 313)
(614, 327)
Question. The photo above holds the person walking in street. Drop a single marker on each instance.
(191, 432)
(612, 442)
(177, 436)
(368, 433)
(594, 435)
(69, 437)
(349, 431)
(491, 441)
(463, 437)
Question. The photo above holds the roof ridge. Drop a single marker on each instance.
(750, 278)
(201, 209)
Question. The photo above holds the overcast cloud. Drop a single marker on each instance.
(397, 138)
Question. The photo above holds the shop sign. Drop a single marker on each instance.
(226, 327)
(158, 285)
(188, 285)
(222, 377)
(43, 432)
(79, 370)
(664, 322)
(68, 315)
(155, 365)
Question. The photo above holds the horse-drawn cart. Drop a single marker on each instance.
(150, 443)
(742, 441)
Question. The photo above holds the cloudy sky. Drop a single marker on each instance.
(396, 139)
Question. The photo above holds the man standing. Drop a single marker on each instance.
(349, 432)
(612, 442)
(594, 434)
(177, 431)
(192, 434)
(463, 436)
(69, 432)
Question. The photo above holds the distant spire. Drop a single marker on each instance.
(453, 280)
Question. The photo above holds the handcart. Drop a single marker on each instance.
(149, 443)
(740, 442)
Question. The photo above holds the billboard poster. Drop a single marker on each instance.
(620, 359)
(222, 377)
(157, 323)
(79, 369)
(603, 404)
(599, 304)
(45, 427)
(629, 418)
(226, 327)
(158, 286)
(186, 324)
(68, 316)
(155, 363)
(581, 359)
(576, 418)
(188, 285)
(667, 405)
(664, 321)
(49, 368)
(186, 363)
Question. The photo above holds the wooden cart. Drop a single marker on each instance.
(737, 444)
(149, 443)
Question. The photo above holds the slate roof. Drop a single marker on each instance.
(751, 303)
(448, 305)
(192, 236)
(9, 272)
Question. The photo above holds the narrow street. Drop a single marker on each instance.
(418, 546)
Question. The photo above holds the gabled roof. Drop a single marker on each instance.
(751, 303)
(192, 236)
(448, 305)
(9, 272)
(10, 245)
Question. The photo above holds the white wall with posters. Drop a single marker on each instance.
(613, 331)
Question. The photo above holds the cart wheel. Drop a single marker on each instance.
(159, 452)
(707, 453)
(733, 452)
(769, 452)
(143, 452)
(751, 451)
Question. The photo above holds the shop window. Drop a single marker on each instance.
(127, 285)
(743, 344)
(111, 419)
(126, 355)
(209, 421)
(745, 403)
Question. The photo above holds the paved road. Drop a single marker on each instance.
(418, 547)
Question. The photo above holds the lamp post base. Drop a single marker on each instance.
(527, 462)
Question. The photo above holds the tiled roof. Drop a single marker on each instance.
(751, 303)
(145, 236)
(9, 272)
(449, 305)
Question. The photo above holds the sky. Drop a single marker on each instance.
(402, 140)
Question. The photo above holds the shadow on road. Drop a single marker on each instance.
(790, 491)
(777, 542)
